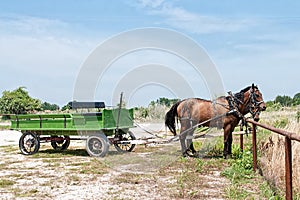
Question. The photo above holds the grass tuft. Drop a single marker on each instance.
(6, 183)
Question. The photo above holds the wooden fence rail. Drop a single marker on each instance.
(288, 153)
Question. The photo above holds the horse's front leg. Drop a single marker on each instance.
(227, 141)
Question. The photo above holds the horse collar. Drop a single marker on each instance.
(233, 108)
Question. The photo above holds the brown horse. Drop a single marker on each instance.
(224, 112)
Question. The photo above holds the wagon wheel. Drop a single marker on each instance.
(97, 145)
(29, 143)
(61, 145)
(125, 146)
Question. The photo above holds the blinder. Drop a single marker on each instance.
(255, 107)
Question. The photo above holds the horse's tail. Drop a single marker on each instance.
(170, 118)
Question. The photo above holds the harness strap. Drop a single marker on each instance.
(186, 118)
(230, 102)
(233, 106)
(199, 124)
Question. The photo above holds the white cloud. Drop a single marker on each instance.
(37, 43)
(150, 3)
(43, 55)
(182, 19)
(34, 26)
(270, 60)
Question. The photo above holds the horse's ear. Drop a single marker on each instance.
(253, 86)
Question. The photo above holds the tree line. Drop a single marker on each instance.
(285, 100)
(19, 101)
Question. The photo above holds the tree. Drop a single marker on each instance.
(164, 101)
(18, 101)
(284, 100)
(296, 99)
(65, 107)
(48, 106)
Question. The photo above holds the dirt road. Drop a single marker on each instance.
(152, 172)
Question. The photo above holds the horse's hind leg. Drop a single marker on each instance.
(183, 146)
(189, 138)
(184, 132)
(184, 143)
(189, 141)
(192, 148)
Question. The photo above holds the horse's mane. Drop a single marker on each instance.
(248, 88)
(240, 95)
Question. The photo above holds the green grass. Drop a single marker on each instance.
(28, 193)
(281, 123)
(6, 183)
(129, 178)
(246, 184)
(51, 153)
(239, 169)
(9, 148)
(4, 127)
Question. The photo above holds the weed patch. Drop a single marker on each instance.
(6, 183)
(242, 177)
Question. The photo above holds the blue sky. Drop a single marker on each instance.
(44, 43)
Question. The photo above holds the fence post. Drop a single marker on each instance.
(288, 169)
(254, 149)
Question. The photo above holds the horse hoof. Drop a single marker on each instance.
(197, 154)
(191, 154)
(186, 154)
(228, 156)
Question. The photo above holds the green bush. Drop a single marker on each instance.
(281, 123)
(273, 106)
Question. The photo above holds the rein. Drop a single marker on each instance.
(201, 123)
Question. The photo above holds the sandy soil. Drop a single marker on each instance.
(147, 173)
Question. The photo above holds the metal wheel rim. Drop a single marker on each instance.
(95, 145)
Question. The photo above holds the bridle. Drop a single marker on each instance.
(254, 107)
(252, 104)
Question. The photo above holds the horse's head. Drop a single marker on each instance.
(256, 102)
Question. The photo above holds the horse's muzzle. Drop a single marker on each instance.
(256, 116)
(256, 119)
(263, 106)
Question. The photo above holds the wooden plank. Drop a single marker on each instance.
(38, 116)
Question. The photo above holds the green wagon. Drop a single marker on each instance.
(99, 129)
